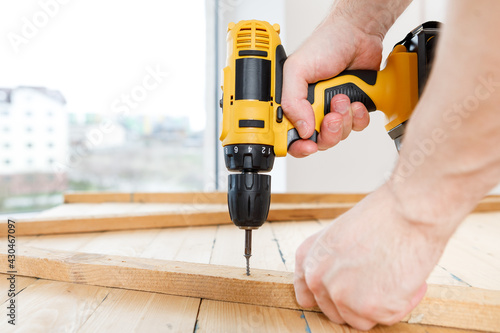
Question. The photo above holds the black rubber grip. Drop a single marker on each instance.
(370, 77)
(355, 93)
(293, 135)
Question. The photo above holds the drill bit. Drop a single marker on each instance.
(248, 248)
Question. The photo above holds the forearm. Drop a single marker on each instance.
(451, 156)
(373, 17)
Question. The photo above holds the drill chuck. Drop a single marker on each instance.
(249, 197)
(249, 193)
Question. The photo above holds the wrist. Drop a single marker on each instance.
(373, 17)
(430, 213)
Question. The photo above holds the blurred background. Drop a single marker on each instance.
(123, 96)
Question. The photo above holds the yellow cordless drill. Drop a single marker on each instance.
(255, 130)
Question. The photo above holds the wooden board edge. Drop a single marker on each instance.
(96, 197)
(205, 197)
(114, 223)
(442, 305)
(182, 197)
(49, 226)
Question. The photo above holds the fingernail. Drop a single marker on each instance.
(358, 112)
(341, 106)
(334, 126)
(302, 127)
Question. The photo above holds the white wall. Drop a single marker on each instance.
(363, 161)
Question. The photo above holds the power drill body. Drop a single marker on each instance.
(255, 130)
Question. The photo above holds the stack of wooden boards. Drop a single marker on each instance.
(173, 262)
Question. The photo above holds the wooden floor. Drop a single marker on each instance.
(472, 258)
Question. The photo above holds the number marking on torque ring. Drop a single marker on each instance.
(249, 149)
(236, 149)
(263, 150)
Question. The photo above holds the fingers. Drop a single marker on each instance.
(328, 307)
(294, 101)
(360, 116)
(302, 148)
(341, 104)
(304, 296)
(331, 131)
(417, 298)
(356, 321)
(342, 119)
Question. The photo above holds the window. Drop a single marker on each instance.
(133, 119)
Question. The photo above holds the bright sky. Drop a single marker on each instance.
(95, 51)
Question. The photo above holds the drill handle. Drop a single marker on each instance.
(344, 84)
(393, 90)
(352, 83)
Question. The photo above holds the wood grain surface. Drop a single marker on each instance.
(459, 307)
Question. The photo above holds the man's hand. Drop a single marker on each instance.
(350, 37)
(329, 51)
(368, 266)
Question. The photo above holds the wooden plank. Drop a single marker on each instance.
(62, 306)
(307, 211)
(441, 276)
(130, 222)
(134, 311)
(291, 198)
(459, 307)
(143, 216)
(319, 323)
(488, 204)
(71, 242)
(185, 197)
(97, 197)
(471, 265)
(187, 215)
(229, 245)
(206, 197)
(122, 243)
(216, 316)
(180, 217)
(221, 197)
(182, 244)
(20, 283)
(289, 236)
